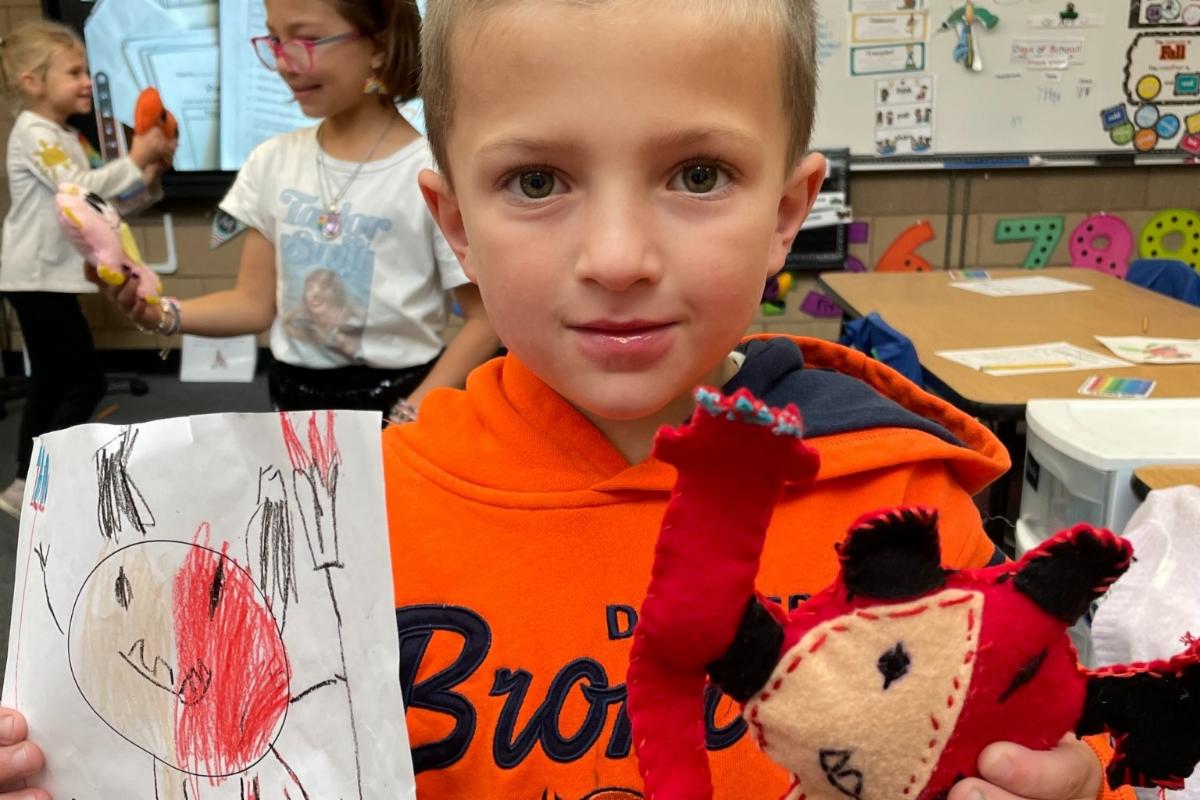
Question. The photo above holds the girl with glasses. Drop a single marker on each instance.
(342, 261)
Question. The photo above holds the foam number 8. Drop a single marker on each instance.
(1102, 242)
(1044, 232)
(1174, 222)
(901, 255)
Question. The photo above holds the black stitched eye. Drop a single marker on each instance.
(1024, 675)
(893, 665)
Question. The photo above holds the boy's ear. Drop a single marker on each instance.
(443, 205)
(799, 193)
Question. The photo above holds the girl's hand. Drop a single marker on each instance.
(149, 147)
(125, 298)
(19, 759)
(1071, 771)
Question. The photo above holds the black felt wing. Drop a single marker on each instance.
(1152, 711)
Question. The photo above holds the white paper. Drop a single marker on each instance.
(218, 360)
(255, 102)
(904, 116)
(1020, 287)
(176, 614)
(1151, 350)
(1032, 358)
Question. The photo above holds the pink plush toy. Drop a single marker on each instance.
(100, 236)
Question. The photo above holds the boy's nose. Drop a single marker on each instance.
(618, 249)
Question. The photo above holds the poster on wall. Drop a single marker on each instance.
(1164, 13)
(887, 59)
(1161, 108)
(904, 116)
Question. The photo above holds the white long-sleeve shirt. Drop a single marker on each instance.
(35, 256)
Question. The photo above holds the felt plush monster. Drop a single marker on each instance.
(98, 233)
(888, 684)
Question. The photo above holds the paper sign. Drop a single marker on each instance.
(1047, 53)
(904, 116)
(888, 58)
(227, 360)
(1159, 66)
(906, 26)
(203, 609)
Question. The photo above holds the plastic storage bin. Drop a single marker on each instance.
(1081, 454)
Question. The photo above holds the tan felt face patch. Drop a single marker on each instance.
(863, 705)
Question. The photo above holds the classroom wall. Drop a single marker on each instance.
(969, 203)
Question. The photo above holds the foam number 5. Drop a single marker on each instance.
(1177, 223)
(901, 255)
(1102, 242)
(1043, 232)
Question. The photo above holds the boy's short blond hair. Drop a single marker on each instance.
(795, 21)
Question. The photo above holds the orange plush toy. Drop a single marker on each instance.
(151, 113)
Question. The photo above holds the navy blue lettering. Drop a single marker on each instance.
(417, 625)
(720, 738)
(621, 621)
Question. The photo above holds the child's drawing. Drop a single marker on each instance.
(218, 624)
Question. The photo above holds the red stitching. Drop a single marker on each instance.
(912, 612)
(955, 601)
(795, 663)
(866, 615)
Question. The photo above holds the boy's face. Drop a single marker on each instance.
(620, 193)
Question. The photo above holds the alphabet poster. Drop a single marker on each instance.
(203, 611)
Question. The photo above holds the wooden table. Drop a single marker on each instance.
(936, 316)
(1153, 476)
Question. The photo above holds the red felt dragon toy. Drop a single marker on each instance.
(888, 684)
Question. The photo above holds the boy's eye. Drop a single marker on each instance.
(700, 179)
(535, 184)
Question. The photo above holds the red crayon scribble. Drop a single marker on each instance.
(323, 449)
(232, 673)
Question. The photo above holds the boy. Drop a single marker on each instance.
(620, 177)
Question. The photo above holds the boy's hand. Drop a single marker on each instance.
(1070, 771)
(19, 759)
(125, 298)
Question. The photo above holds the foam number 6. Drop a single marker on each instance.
(1102, 242)
(1044, 232)
(1174, 222)
(901, 255)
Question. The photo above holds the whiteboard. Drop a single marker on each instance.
(1114, 77)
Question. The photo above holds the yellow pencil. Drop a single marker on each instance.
(1032, 365)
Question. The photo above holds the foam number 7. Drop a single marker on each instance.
(1043, 232)
(901, 255)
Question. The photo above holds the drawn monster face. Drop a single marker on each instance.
(869, 690)
(174, 648)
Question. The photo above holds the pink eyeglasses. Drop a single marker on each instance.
(295, 54)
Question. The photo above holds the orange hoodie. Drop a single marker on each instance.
(522, 543)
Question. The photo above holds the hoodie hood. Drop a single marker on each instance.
(510, 440)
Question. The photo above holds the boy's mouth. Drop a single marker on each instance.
(624, 344)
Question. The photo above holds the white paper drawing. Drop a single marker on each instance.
(203, 611)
